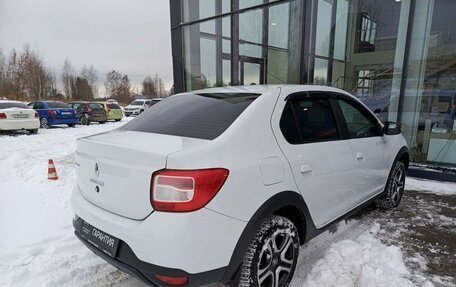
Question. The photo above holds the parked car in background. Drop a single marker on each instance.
(113, 111)
(136, 107)
(18, 116)
(154, 101)
(225, 184)
(89, 112)
(54, 113)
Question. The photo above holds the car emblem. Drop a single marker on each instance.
(97, 171)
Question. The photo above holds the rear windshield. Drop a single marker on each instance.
(203, 116)
(114, 106)
(13, 105)
(58, 105)
(95, 106)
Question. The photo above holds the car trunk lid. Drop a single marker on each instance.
(114, 169)
(18, 113)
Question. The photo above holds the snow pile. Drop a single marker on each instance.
(363, 261)
(437, 187)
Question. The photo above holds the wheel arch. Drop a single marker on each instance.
(288, 204)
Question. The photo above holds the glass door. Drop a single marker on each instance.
(251, 71)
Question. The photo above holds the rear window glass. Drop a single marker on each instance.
(13, 105)
(114, 106)
(58, 105)
(203, 116)
(96, 106)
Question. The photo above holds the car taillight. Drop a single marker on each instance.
(89, 110)
(52, 112)
(173, 281)
(2, 116)
(185, 190)
(37, 115)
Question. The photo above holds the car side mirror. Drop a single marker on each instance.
(392, 128)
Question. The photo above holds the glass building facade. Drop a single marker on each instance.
(397, 56)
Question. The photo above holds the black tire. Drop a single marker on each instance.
(272, 255)
(141, 111)
(33, 132)
(84, 121)
(394, 187)
(117, 120)
(71, 125)
(44, 123)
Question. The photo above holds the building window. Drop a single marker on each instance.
(367, 32)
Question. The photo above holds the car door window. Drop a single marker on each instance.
(308, 120)
(359, 125)
(38, 106)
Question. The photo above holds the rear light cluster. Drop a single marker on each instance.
(2, 116)
(52, 112)
(185, 190)
(173, 281)
(36, 115)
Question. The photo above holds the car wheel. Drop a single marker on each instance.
(394, 187)
(271, 258)
(84, 121)
(71, 125)
(33, 132)
(141, 111)
(44, 123)
(117, 120)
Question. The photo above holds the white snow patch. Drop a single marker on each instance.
(437, 187)
(363, 261)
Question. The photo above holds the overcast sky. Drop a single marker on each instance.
(131, 36)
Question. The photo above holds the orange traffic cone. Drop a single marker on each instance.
(52, 172)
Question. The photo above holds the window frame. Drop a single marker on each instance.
(358, 106)
(313, 95)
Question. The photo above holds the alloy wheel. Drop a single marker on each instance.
(398, 183)
(275, 262)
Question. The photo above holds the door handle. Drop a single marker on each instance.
(359, 155)
(306, 168)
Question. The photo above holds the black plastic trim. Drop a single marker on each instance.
(126, 261)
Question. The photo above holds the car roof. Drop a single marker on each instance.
(9, 101)
(261, 89)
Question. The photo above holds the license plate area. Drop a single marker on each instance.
(20, 116)
(100, 239)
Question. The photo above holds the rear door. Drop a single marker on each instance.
(321, 160)
(368, 147)
(39, 107)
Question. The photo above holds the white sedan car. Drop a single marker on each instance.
(225, 184)
(18, 116)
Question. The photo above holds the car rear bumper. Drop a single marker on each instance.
(192, 243)
(26, 124)
(126, 261)
(62, 121)
(98, 118)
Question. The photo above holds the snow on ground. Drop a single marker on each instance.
(38, 248)
(362, 261)
(441, 188)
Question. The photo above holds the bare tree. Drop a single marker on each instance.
(148, 87)
(118, 86)
(90, 74)
(68, 80)
(159, 86)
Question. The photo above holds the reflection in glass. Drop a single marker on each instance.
(320, 71)
(340, 36)
(323, 28)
